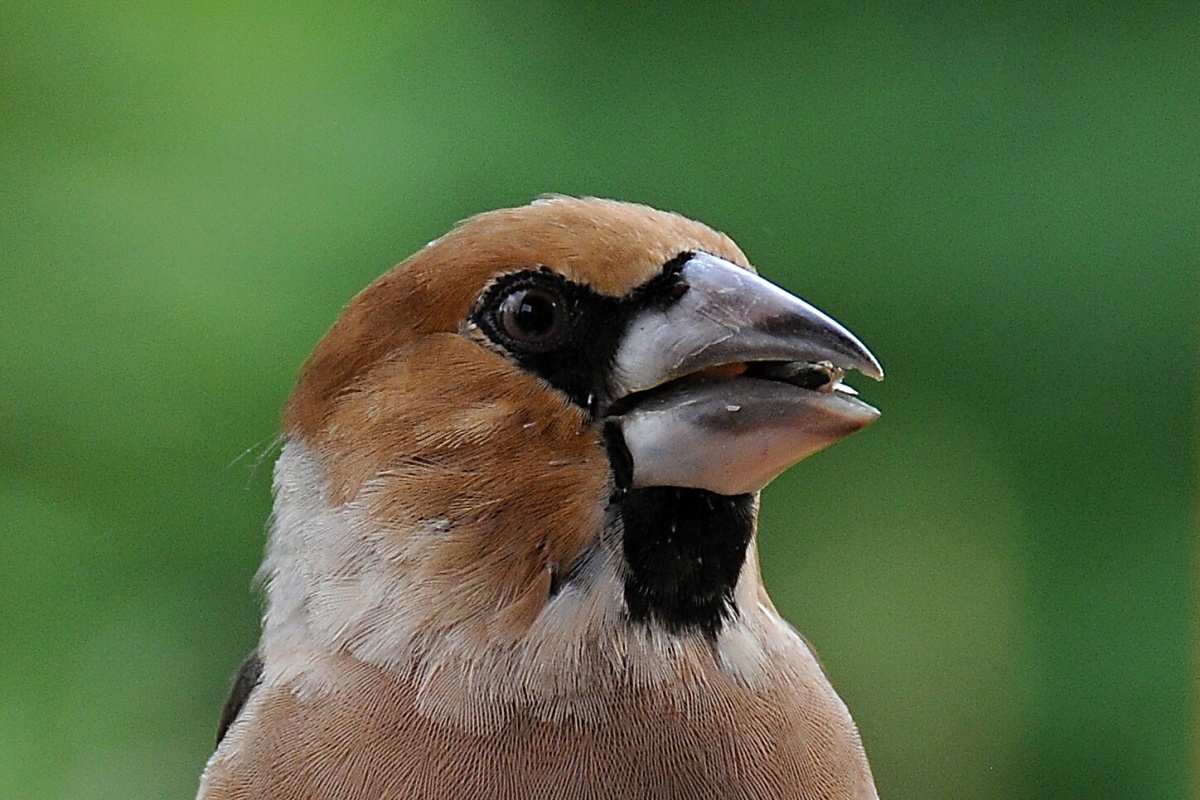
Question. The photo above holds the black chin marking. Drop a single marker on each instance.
(684, 550)
(619, 457)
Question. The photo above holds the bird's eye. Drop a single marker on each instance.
(533, 316)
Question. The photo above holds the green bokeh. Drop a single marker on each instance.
(1002, 201)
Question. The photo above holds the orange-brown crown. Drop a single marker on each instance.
(608, 245)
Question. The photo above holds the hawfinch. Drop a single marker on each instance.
(513, 546)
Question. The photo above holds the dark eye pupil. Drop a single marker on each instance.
(532, 315)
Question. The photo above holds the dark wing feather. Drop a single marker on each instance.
(249, 675)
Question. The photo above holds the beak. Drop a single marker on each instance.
(732, 383)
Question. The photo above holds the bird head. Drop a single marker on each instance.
(550, 424)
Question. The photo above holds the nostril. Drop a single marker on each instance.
(678, 290)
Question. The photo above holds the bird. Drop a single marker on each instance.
(513, 546)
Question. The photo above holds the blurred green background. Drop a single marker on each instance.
(1000, 200)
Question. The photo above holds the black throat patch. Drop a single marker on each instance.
(684, 550)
